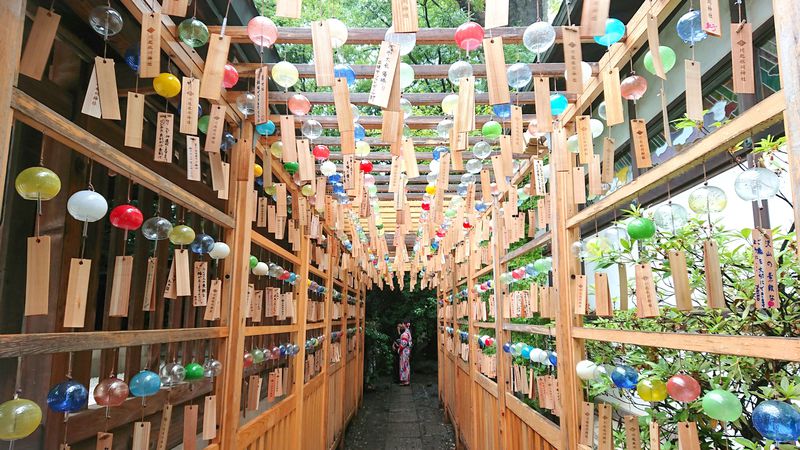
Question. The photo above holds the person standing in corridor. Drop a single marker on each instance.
(405, 353)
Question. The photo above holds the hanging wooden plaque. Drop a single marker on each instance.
(341, 100)
(210, 417)
(37, 283)
(594, 16)
(641, 144)
(410, 158)
(183, 283)
(391, 128)
(150, 46)
(655, 436)
(605, 440)
(714, 293)
(607, 175)
(174, 7)
(602, 295)
(288, 8)
(120, 286)
(163, 145)
(405, 18)
(710, 17)
(595, 186)
(217, 175)
(613, 97)
(587, 424)
(163, 431)
(496, 14)
(216, 125)
(214, 299)
(506, 155)
(190, 91)
(107, 88)
(323, 52)
(633, 439)
(688, 438)
(216, 57)
(573, 58)
(764, 268)
(169, 287)
(77, 292)
(91, 102)
(262, 95)
(134, 120)
(105, 441)
(190, 427)
(496, 77)
(517, 130)
(486, 190)
(742, 56)
(141, 436)
(622, 272)
(578, 185)
(200, 283)
(585, 149)
(193, 158)
(680, 280)
(226, 176)
(305, 160)
(385, 70)
(149, 295)
(544, 115)
(499, 174)
(39, 44)
(465, 108)
(253, 392)
(538, 181)
(581, 295)
(646, 300)
(289, 139)
(694, 91)
(654, 42)
(280, 189)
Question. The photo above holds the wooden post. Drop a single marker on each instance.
(241, 182)
(327, 345)
(472, 297)
(12, 14)
(300, 358)
(565, 266)
(787, 34)
(503, 371)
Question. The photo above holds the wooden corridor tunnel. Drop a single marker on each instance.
(202, 200)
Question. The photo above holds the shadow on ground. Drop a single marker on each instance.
(401, 418)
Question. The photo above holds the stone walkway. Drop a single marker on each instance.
(401, 418)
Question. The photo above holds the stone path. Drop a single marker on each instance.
(401, 418)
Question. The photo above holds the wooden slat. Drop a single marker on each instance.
(52, 124)
(376, 122)
(13, 15)
(14, 345)
(755, 119)
(421, 71)
(532, 329)
(766, 347)
(374, 36)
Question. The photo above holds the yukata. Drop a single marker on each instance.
(405, 354)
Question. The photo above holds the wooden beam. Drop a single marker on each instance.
(374, 36)
(270, 329)
(539, 423)
(12, 14)
(766, 347)
(52, 124)
(421, 71)
(416, 98)
(787, 35)
(271, 246)
(419, 141)
(532, 329)
(541, 239)
(762, 115)
(376, 122)
(15, 345)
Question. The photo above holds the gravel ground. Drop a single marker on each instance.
(401, 418)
